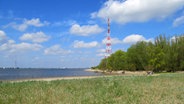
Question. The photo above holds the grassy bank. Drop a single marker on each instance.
(162, 89)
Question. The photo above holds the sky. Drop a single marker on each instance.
(71, 33)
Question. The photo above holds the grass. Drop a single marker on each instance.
(162, 89)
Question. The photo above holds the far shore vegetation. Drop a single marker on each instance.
(164, 54)
(163, 89)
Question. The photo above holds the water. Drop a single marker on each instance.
(15, 74)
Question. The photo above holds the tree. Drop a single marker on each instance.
(119, 62)
(160, 53)
(150, 55)
(138, 56)
(102, 64)
(164, 54)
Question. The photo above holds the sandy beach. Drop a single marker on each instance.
(56, 78)
(106, 74)
(118, 72)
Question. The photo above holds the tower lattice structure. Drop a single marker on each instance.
(108, 41)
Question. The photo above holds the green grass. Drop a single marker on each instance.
(163, 89)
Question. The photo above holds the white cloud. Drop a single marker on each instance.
(101, 52)
(131, 39)
(135, 38)
(56, 49)
(174, 38)
(116, 41)
(26, 23)
(8, 46)
(37, 37)
(125, 11)
(85, 30)
(178, 21)
(64, 23)
(113, 41)
(35, 22)
(20, 27)
(82, 44)
(11, 46)
(3, 37)
(26, 47)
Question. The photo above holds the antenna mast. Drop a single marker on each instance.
(108, 41)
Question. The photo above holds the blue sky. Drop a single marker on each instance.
(71, 33)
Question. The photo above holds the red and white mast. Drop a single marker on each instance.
(108, 41)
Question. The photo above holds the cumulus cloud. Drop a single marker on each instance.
(55, 50)
(25, 47)
(11, 46)
(130, 39)
(37, 37)
(64, 23)
(175, 38)
(125, 11)
(8, 46)
(26, 23)
(178, 21)
(3, 37)
(82, 44)
(35, 22)
(85, 30)
(113, 41)
(135, 38)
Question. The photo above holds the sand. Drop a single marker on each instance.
(106, 74)
(55, 78)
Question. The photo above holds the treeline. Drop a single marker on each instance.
(164, 54)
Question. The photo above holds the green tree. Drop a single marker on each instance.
(102, 65)
(176, 54)
(160, 53)
(150, 55)
(164, 54)
(119, 62)
(138, 56)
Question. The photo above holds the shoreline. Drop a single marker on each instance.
(106, 74)
(53, 78)
(118, 72)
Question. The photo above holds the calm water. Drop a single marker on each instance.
(14, 74)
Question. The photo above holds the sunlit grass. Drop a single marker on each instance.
(162, 89)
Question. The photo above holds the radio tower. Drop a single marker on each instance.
(108, 41)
